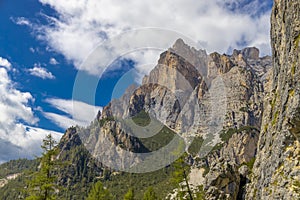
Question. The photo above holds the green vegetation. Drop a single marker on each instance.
(150, 194)
(76, 171)
(226, 135)
(297, 40)
(250, 164)
(79, 171)
(76, 175)
(195, 147)
(275, 118)
(200, 194)
(160, 181)
(265, 127)
(159, 140)
(273, 101)
(291, 92)
(42, 183)
(129, 195)
(142, 118)
(17, 166)
(98, 192)
(181, 175)
(254, 193)
(14, 189)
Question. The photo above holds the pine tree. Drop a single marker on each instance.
(150, 194)
(181, 175)
(129, 195)
(98, 192)
(42, 185)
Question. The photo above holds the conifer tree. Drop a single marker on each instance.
(98, 192)
(180, 177)
(42, 185)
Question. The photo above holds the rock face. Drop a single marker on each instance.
(276, 172)
(216, 97)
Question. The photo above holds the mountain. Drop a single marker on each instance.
(233, 118)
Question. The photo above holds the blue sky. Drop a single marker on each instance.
(46, 45)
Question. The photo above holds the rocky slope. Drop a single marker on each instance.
(276, 172)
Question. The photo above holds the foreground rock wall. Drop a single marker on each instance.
(276, 172)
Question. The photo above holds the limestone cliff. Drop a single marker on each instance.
(276, 171)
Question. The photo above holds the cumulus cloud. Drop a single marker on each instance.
(76, 112)
(18, 140)
(5, 63)
(41, 72)
(25, 145)
(53, 61)
(215, 25)
(14, 103)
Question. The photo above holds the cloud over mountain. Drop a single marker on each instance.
(18, 139)
(215, 25)
(75, 112)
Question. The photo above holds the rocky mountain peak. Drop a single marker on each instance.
(180, 44)
(247, 53)
(197, 58)
(174, 72)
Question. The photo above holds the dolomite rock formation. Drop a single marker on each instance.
(276, 172)
(198, 95)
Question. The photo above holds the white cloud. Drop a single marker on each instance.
(41, 72)
(53, 61)
(76, 112)
(24, 142)
(5, 63)
(217, 25)
(21, 21)
(13, 103)
(18, 140)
